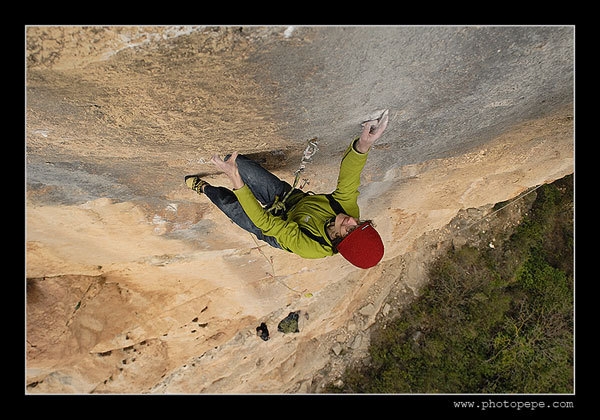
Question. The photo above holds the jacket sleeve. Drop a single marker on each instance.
(287, 232)
(346, 192)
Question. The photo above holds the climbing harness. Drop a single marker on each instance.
(309, 152)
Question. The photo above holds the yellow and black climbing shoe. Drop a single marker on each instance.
(195, 183)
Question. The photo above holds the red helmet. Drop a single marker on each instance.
(363, 246)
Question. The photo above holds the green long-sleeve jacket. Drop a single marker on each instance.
(306, 218)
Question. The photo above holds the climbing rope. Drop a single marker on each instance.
(309, 152)
(272, 275)
(503, 207)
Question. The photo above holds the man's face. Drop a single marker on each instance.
(341, 226)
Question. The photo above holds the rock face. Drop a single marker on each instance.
(135, 284)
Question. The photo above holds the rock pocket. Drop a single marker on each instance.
(262, 331)
(289, 324)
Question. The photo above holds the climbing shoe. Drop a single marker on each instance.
(195, 183)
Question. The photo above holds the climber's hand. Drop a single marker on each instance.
(230, 168)
(372, 130)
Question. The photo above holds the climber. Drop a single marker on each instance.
(309, 225)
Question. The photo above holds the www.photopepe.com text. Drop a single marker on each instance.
(491, 404)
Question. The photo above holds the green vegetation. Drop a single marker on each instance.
(490, 320)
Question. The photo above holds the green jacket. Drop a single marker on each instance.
(307, 215)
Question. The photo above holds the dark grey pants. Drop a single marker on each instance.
(264, 185)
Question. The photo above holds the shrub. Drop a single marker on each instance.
(489, 321)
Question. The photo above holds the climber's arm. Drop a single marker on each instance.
(230, 168)
(372, 130)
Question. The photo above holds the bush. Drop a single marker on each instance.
(489, 321)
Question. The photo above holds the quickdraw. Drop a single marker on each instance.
(309, 152)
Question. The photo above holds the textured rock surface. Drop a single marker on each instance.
(135, 284)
